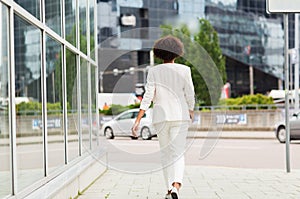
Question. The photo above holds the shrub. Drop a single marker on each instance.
(29, 108)
(35, 108)
(115, 109)
(248, 101)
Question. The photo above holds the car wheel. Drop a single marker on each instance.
(281, 134)
(146, 133)
(108, 132)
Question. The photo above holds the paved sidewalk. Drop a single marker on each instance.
(199, 183)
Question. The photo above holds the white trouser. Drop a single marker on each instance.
(172, 140)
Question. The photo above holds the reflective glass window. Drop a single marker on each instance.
(28, 103)
(5, 176)
(32, 6)
(85, 120)
(72, 103)
(245, 36)
(93, 106)
(83, 26)
(92, 29)
(53, 15)
(70, 13)
(54, 104)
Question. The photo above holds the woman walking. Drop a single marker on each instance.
(170, 88)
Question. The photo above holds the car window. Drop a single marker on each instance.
(135, 114)
(126, 116)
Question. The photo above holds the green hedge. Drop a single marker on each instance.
(256, 101)
(115, 109)
(35, 108)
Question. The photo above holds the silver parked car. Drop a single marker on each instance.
(122, 123)
(294, 129)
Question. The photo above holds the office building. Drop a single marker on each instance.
(48, 83)
(252, 42)
(126, 32)
(250, 39)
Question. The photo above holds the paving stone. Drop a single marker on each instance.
(199, 183)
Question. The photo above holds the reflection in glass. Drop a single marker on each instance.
(83, 26)
(54, 104)
(85, 121)
(71, 78)
(5, 177)
(53, 15)
(250, 39)
(70, 11)
(32, 6)
(28, 103)
(92, 29)
(94, 107)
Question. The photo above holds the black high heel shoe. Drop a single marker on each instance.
(174, 193)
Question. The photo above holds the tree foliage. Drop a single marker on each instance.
(207, 37)
(204, 56)
(71, 69)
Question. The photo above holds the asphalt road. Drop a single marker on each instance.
(240, 153)
(237, 153)
(140, 155)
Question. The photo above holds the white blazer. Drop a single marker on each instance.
(171, 89)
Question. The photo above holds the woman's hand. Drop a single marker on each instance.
(136, 124)
(134, 128)
(191, 115)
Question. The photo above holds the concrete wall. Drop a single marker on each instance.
(237, 120)
(25, 126)
(255, 120)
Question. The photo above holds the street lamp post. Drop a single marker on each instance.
(101, 81)
(287, 106)
(251, 79)
(297, 62)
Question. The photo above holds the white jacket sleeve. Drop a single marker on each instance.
(189, 91)
(149, 91)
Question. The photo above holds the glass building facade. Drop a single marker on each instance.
(249, 39)
(127, 31)
(48, 84)
(248, 36)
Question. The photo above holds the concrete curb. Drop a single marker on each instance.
(203, 134)
(232, 134)
(236, 138)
